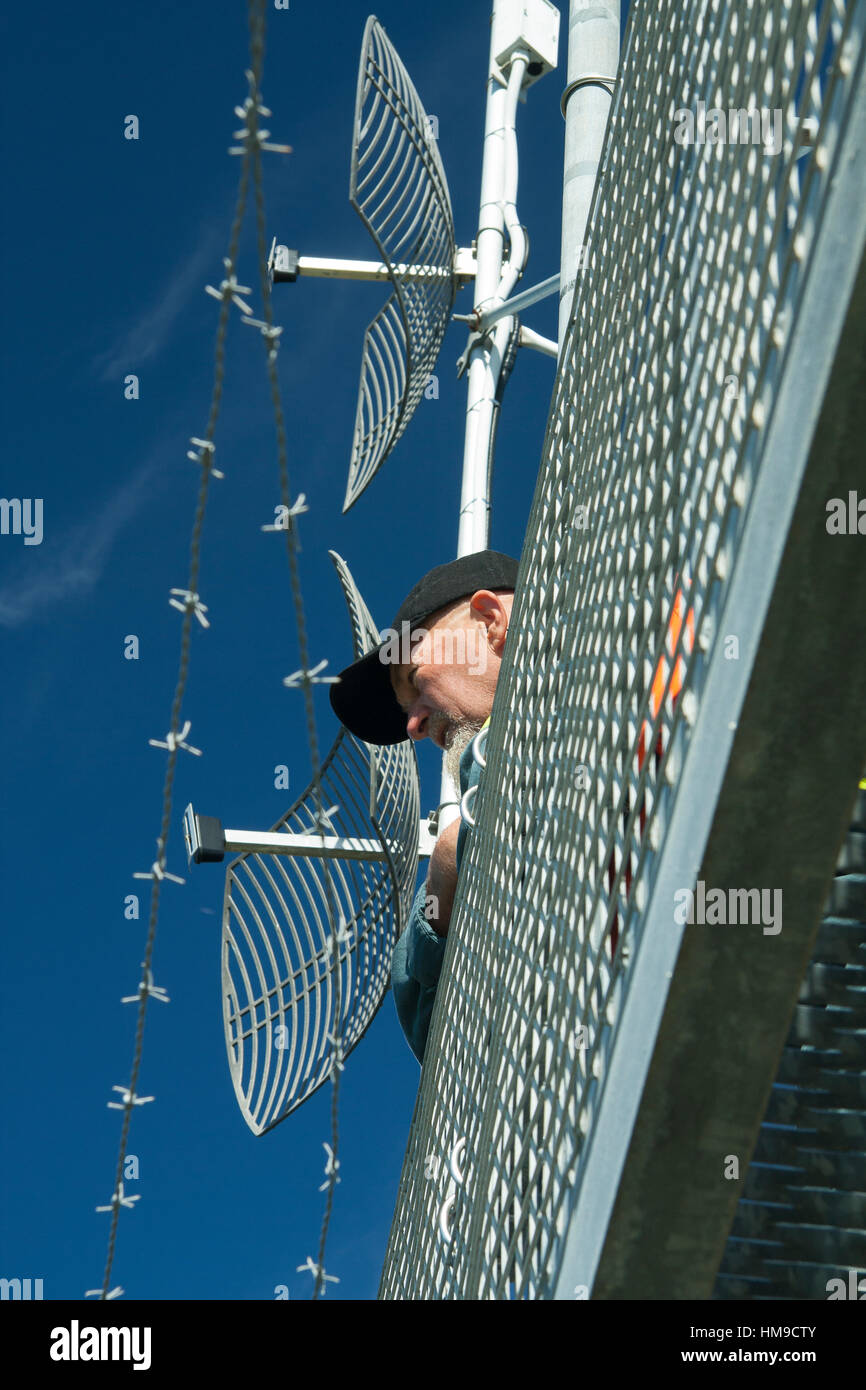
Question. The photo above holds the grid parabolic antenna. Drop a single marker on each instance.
(399, 190)
(278, 962)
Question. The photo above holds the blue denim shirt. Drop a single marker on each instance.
(418, 954)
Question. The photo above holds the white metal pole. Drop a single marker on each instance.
(593, 59)
(485, 360)
(498, 190)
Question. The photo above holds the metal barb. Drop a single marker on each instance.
(119, 1200)
(129, 1098)
(191, 602)
(330, 1169)
(175, 739)
(317, 1272)
(305, 677)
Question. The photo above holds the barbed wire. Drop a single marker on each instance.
(309, 677)
(188, 601)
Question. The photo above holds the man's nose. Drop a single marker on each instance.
(416, 724)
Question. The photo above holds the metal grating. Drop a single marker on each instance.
(801, 1221)
(278, 962)
(399, 190)
(657, 460)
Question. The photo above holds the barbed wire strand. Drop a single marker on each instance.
(183, 671)
(251, 156)
(257, 49)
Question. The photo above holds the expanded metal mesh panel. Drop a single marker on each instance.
(279, 957)
(801, 1221)
(399, 190)
(698, 254)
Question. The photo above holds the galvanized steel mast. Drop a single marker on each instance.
(593, 58)
(523, 45)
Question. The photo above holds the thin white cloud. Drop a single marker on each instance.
(47, 575)
(146, 337)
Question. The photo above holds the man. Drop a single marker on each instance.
(434, 676)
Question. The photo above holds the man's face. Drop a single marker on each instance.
(447, 688)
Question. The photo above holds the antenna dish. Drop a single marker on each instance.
(278, 963)
(399, 190)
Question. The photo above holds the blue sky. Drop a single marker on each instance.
(110, 243)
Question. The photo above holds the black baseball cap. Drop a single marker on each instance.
(364, 698)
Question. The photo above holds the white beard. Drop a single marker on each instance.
(464, 730)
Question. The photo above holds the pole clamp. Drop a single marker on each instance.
(591, 80)
(433, 816)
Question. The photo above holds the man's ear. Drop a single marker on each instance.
(489, 609)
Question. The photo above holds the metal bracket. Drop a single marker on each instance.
(207, 842)
(285, 265)
(471, 342)
(205, 838)
(591, 80)
(282, 264)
